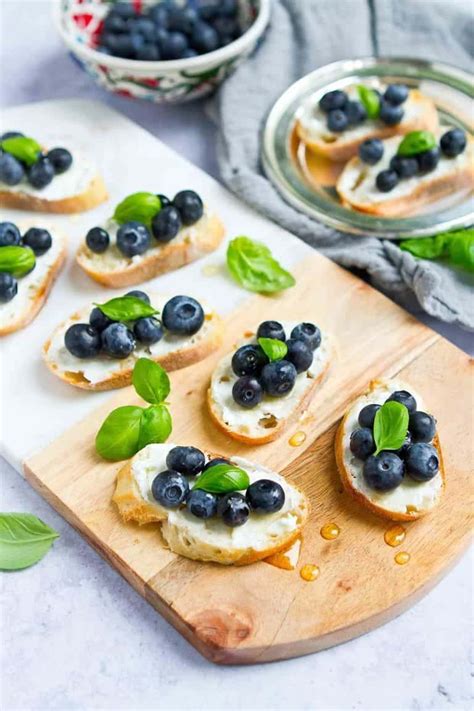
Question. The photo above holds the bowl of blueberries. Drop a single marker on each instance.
(166, 51)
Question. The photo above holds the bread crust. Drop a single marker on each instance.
(169, 257)
(95, 194)
(131, 505)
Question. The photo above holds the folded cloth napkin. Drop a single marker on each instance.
(306, 34)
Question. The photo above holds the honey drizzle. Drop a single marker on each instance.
(402, 558)
(330, 531)
(309, 572)
(395, 535)
(297, 439)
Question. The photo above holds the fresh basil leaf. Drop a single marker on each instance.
(273, 348)
(25, 149)
(252, 266)
(222, 479)
(119, 434)
(151, 381)
(126, 308)
(141, 207)
(416, 142)
(155, 425)
(17, 260)
(390, 426)
(370, 100)
(457, 247)
(24, 540)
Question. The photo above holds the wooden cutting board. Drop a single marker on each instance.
(260, 612)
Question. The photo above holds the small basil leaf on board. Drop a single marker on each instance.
(456, 248)
(390, 426)
(126, 308)
(155, 425)
(24, 540)
(416, 142)
(25, 149)
(273, 348)
(17, 260)
(119, 434)
(370, 101)
(252, 266)
(151, 381)
(222, 479)
(141, 207)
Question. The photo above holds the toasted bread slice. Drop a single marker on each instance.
(209, 540)
(272, 416)
(114, 270)
(408, 501)
(33, 288)
(420, 114)
(356, 185)
(103, 373)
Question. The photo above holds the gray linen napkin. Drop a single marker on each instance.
(303, 35)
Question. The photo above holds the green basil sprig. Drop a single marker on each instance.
(24, 540)
(141, 207)
(252, 266)
(456, 248)
(370, 101)
(17, 260)
(273, 348)
(390, 426)
(416, 142)
(222, 479)
(126, 308)
(25, 149)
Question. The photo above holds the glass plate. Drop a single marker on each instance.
(452, 91)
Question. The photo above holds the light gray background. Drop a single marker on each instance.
(74, 635)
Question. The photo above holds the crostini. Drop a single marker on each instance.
(399, 484)
(259, 514)
(97, 347)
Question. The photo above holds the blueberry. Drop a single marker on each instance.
(11, 134)
(148, 330)
(337, 120)
(228, 8)
(309, 333)
(208, 9)
(214, 462)
(117, 340)
(170, 489)
(183, 315)
(161, 37)
(99, 320)
(189, 205)
(278, 378)
(396, 94)
(139, 295)
(148, 53)
(166, 224)
(115, 24)
(126, 45)
(10, 235)
(98, 240)
(404, 398)
(249, 360)
(265, 496)
(383, 472)
(271, 329)
(144, 27)
(333, 100)
(226, 27)
(159, 15)
(11, 170)
(355, 112)
(8, 287)
(133, 238)
(422, 461)
(189, 53)
(247, 392)
(38, 239)
(41, 173)
(82, 340)
(367, 415)
(164, 201)
(453, 142)
(204, 38)
(371, 151)
(422, 426)
(300, 354)
(187, 460)
(362, 443)
(403, 450)
(390, 114)
(201, 503)
(386, 180)
(182, 19)
(60, 158)
(428, 160)
(123, 9)
(404, 167)
(233, 509)
(173, 45)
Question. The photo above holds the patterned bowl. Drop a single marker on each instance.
(80, 21)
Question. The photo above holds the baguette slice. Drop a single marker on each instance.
(210, 540)
(420, 114)
(114, 270)
(272, 416)
(33, 289)
(411, 499)
(103, 373)
(356, 185)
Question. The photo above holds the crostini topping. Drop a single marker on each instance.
(371, 151)
(416, 142)
(274, 348)
(344, 112)
(253, 266)
(453, 142)
(18, 255)
(22, 158)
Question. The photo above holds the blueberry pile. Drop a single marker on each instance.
(181, 316)
(343, 112)
(41, 173)
(36, 238)
(258, 376)
(134, 238)
(452, 144)
(171, 489)
(416, 458)
(169, 30)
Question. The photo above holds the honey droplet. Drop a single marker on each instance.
(395, 535)
(297, 439)
(402, 558)
(330, 531)
(309, 572)
(210, 270)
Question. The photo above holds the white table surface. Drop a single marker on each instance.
(76, 636)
